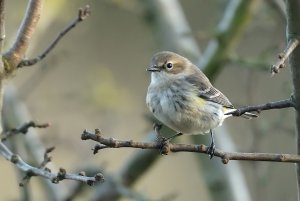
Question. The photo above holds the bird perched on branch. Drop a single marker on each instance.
(181, 97)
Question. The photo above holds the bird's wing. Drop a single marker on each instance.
(207, 91)
(214, 95)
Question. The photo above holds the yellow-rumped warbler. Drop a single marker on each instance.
(181, 97)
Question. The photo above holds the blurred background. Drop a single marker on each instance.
(96, 78)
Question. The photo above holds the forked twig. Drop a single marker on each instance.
(82, 15)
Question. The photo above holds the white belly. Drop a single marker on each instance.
(186, 116)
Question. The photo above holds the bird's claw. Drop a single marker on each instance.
(211, 150)
(164, 146)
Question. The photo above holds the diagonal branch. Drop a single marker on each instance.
(82, 15)
(166, 148)
(282, 57)
(268, 106)
(55, 178)
(16, 53)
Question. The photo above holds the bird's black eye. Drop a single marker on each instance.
(169, 65)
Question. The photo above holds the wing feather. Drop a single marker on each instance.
(206, 90)
(216, 96)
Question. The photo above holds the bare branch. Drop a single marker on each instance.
(268, 106)
(16, 53)
(23, 129)
(167, 147)
(44, 172)
(82, 15)
(293, 32)
(282, 57)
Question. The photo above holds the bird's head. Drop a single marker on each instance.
(168, 65)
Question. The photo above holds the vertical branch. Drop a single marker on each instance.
(293, 31)
(16, 53)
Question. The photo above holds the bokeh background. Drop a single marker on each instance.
(96, 78)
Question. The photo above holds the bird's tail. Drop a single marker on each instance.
(246, 115)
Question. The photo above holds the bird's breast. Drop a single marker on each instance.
(178, 107)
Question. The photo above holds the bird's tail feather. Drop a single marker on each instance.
(246, 115)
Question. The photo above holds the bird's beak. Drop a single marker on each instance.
(153, 69)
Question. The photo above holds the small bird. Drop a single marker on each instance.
(181, 97)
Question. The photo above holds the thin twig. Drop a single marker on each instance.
(23, 129)
(47, 158)
(54, 177)
(170, 147)
(282, 57)
(82, 15)
(268, 106)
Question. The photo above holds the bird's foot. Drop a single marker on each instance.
(211, 150)
(162, 141)
(164, 145)
(212, 146)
